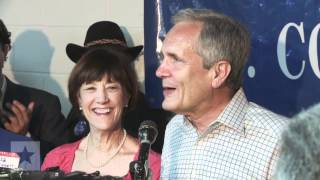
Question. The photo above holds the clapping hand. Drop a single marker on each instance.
(19, 118)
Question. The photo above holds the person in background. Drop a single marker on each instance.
(104, 87)
(217, 133)
(108, 34)
(29, 111)
(300, 148)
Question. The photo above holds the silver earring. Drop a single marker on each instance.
(80, 108)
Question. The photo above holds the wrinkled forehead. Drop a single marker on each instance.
(183, 33)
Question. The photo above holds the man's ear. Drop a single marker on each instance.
(6, 49)
(220, 72)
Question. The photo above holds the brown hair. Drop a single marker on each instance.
(221, 38)
(97, 63)
(4, 34)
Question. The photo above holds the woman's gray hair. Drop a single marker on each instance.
(221, 38)
(300, 149)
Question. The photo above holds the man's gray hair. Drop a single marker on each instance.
(221, 38)
(300, 150)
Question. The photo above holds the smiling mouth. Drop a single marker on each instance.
(168, 91)
(102, 111)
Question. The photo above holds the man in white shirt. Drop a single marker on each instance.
(217, 133)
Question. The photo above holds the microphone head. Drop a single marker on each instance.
(148, 132)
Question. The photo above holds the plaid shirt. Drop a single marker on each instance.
(242, 143)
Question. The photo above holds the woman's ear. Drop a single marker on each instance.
(220, 72)
(127, 100)
(79, 100)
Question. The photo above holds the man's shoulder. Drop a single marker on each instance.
(257, 110)
(176, 120)
(266, 119)
(35, 92)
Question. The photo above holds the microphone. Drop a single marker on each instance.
(148, 133)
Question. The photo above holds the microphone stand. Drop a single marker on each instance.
(139, 169)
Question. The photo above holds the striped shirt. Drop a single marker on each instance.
(242, 143)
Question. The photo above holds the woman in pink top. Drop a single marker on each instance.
(104, 86)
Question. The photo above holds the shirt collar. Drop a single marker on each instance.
(233, 115)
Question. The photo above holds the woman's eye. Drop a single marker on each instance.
(89, 88)
(112, 88)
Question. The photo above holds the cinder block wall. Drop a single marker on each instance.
(41, 29)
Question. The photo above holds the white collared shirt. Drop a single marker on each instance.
(242, 143)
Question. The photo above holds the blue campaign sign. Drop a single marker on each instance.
(27, 149)
(6, 137)
(282, 73)
(152, 83)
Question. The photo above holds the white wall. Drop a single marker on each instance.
(41, 29)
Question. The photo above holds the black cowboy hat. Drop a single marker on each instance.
(103, 33)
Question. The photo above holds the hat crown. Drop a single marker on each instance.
(104, 30)
(104, 34)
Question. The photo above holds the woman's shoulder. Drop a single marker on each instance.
(154, 157)
(61, 156)
(154, 164)
(65, 148)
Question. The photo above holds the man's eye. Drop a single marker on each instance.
(160, 57)
(177, 60)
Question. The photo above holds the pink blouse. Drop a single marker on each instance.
(63, 157)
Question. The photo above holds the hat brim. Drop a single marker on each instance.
(74, 52)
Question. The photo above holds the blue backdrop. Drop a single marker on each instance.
(283, 71)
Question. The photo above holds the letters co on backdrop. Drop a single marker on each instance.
(282, 73)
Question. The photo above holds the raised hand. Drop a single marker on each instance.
(18, 120)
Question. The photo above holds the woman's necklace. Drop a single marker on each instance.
(110, 158)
